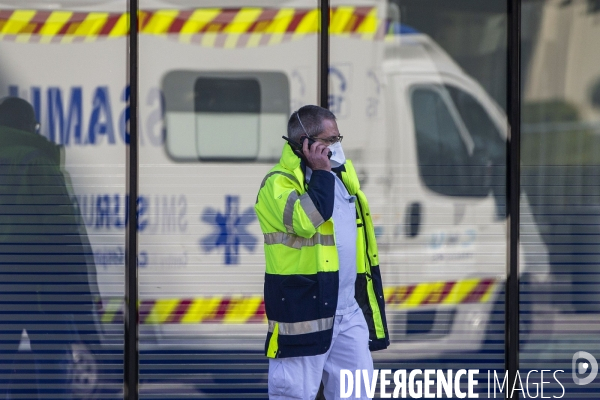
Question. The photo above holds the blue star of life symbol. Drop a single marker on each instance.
(230, 232)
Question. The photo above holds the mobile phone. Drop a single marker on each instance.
(298, 146)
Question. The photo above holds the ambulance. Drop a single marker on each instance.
(218, 81)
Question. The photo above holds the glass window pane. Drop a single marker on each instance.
(62, 230)
(560, 299)
(219, 81)
(421, 108)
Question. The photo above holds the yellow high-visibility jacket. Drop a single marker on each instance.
(301, 280)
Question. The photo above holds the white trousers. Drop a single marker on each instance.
(300, 377)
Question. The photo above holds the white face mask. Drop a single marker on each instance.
(337, 155)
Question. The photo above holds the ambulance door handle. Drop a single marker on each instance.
(412, 219)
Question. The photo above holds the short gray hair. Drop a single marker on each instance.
(308, 120)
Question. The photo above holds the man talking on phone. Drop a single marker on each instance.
(323, 292)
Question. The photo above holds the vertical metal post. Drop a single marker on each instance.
(513, 190)
(324, 54)
(131, 365)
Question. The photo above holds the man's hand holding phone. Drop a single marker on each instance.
(316, 155)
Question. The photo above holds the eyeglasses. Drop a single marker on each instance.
(330, 140)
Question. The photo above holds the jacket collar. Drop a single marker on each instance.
(349, 177)
(290, 161)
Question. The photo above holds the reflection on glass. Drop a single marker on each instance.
(219, 116)
(218, 83)
(443, 155)
(63, 107)
(421, 111)
(224, 108)
(560, 304)
(47, 314)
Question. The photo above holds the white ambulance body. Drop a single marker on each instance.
(203, 157)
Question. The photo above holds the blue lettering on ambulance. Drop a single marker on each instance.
(66, 123)
(101, 121)
(337, 97)
(142, 205)
(63, 116)
(155, 127)
(143, 259)
(157, 213)
(86, 209)
(118, 222)
(124, 118)
(182, 220)
(36, 101)
(374, 94)
(109, 256)
(102, 211)
(165, 213)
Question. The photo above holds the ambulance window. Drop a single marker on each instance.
(488, 161)
(442, 154)
(486, 135)
(225, 116)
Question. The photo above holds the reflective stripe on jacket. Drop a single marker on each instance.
(301, 279)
